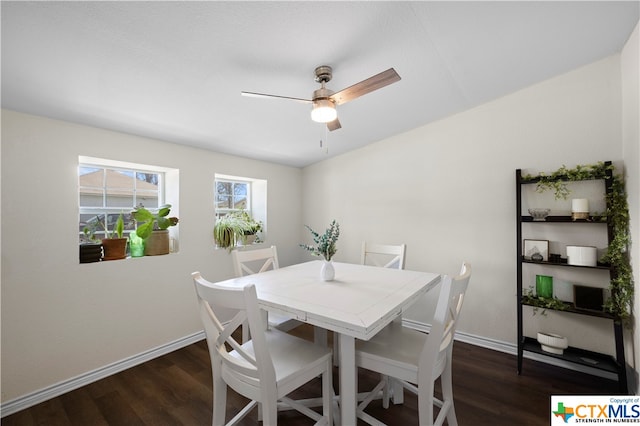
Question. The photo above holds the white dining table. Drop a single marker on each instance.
(357, 304)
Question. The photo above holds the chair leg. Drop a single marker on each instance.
(270, 409)
(327, 393)
(425, 403)
(219, 398)
(385, 390)
(447, 394)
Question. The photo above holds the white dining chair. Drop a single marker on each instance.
(247, 262)
(418, 359)
(384, 255)
(264, 369)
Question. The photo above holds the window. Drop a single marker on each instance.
(232, 195)
(235, 193)
(108, 188)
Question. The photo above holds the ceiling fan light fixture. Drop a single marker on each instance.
(323, 111)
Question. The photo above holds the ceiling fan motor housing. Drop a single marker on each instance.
(323, 73)
(322, 93)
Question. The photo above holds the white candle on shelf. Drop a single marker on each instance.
(580, 205)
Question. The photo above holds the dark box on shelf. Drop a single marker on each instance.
(588, 298)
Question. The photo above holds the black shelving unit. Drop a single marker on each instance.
(599, 361)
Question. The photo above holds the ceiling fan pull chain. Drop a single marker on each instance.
(326, 139)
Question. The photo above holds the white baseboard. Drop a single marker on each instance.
(512, 349)
(26, 401)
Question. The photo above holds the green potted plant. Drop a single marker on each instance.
(114, 244)
(152, 228)
(236, 228)
(90, 246)
(251, 229)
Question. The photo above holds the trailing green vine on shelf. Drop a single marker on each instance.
(557, 181)
(617, 214)
(544, 303)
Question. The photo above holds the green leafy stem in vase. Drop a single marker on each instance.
(326, 243)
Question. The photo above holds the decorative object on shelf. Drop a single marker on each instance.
(90, 252)
(544, 286)
(588, 298)
(555, 258)
(136, 245)
(533, 247)
(579, 208)
(539, 215)
(617, 217)
(236, 228)
(581, 256)
(114, 248)
(544, 303)
(325, 247)
(114, 245)
(152, 228)
(158, 243)
(90, 247)
(557, 181)
(552, 343)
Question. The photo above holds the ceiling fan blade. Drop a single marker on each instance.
(262, 95)
(334, 125)
(376, 82)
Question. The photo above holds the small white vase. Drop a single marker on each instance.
(327, 272)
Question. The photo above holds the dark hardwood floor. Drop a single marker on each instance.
(175, 389)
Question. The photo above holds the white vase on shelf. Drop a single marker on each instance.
(327, 272)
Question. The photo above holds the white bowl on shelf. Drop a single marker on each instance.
(553, 343)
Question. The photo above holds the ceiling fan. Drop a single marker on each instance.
(324, 101)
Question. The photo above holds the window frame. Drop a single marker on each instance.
(220, 212)
(168, 187)
(257, 200)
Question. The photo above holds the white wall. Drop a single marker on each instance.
(448, 189)
(61, 319)
(630, 60)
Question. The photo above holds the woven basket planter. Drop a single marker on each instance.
(157, 243)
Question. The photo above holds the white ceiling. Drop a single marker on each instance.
(174, 70)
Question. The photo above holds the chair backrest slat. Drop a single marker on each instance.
(248, 262)
(383, 255)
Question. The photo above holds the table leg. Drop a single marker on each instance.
(320, 336)
(348, 379)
